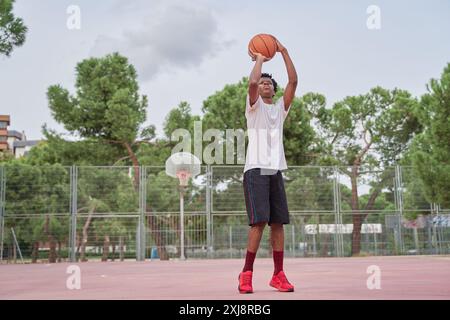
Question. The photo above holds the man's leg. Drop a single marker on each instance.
(256, 192)
(277, 242)
(279, 216)
(254, 238)
(277, 236)
(279, 279)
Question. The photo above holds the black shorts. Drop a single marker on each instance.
(265, 197)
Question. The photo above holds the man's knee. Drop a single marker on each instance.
(276, 226)
(259, 225)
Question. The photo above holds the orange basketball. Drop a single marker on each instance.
(264, 44)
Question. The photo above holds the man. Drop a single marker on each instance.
(265, 197)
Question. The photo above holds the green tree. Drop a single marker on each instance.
(56, 150)
(155, 153)
(12, 30)
(107, 108)
(37, 206)
(364, 132)
(180, 117)
(6, 156)
(431, 151)
(99, 191)
(102, 191)
(299, 137)
(225, 109)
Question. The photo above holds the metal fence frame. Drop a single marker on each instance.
(143, 239)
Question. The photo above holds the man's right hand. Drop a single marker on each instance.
(256, 55)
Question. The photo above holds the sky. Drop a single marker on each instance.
(188, 50)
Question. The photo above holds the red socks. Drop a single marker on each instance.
(249, 259)
(277, 261)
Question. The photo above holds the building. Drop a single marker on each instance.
(14, 136)
(21, 148)
(4, 123)
(14, 141)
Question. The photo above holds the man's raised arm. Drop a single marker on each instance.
(255, 76)
(289, 92)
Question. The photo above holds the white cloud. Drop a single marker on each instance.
(171, 36)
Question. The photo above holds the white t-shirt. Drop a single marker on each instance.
(265, 135)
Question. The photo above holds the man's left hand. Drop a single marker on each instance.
(280, 47)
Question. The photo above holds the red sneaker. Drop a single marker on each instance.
(245, 282)
(280, 282)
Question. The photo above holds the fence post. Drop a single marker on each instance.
(375, 242)
(438, 229)
(338, 239)
(416, 240)
(2, 208)
(398, 176)
(141, 244)
(429, 234)
(230, 234)
(293, 239)
(209, 247)
(73, 212)
(16, 243)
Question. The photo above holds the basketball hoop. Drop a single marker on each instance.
(183, 176)
(182, 165)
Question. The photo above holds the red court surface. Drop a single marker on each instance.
(402, 277)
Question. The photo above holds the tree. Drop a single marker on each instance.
(99, 190)
(431, 151)
(107, 108)
(37, 206)
(180, 117)
(12, 30)
(299, 136)
(225, 109)
(104, 191)
(364, 132)
(155, 153)
(6, 156)
(56, 150)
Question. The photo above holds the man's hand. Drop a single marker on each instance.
(256, 55)
(280, 47)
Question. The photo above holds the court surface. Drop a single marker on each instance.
(401, 277)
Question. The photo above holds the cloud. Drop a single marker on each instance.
(172, 36)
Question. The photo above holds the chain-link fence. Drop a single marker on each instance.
(55, 213)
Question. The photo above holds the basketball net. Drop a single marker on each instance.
(183, 176)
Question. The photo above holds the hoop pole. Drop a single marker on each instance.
(182, 256)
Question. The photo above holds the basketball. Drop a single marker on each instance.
(264, 44)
